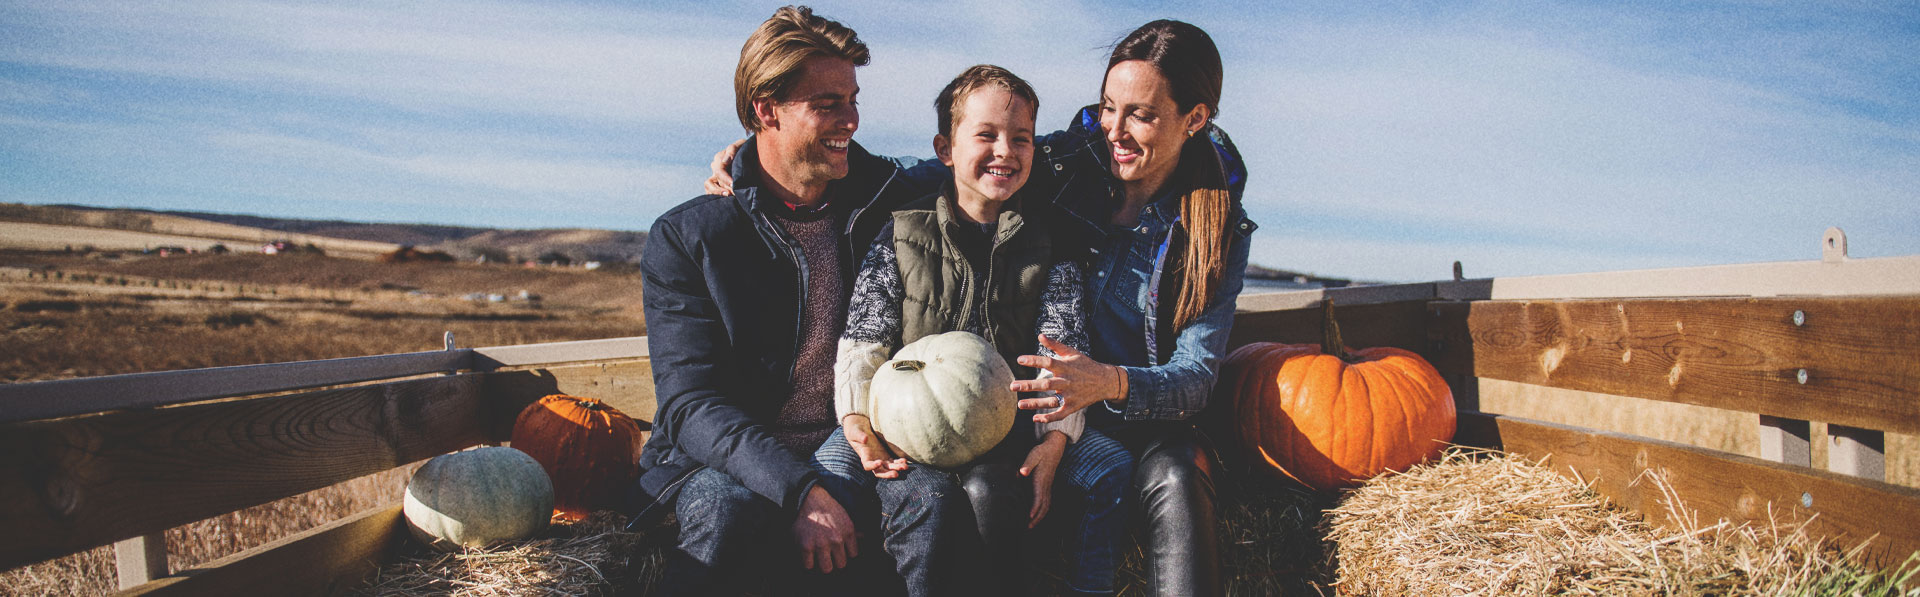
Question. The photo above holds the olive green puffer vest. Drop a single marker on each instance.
(939, 282)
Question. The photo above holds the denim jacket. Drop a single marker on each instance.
(1165, 382)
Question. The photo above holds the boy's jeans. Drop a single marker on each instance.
(924, 518)
(1096, 467)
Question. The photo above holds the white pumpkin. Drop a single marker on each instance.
(944, 399)
(478, 497)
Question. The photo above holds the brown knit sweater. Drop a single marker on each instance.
(806, 419)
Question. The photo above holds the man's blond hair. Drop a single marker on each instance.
(771, 59)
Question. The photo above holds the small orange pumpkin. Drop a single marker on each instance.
(590, 449)
(1332, 418)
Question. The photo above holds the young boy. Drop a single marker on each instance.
(972, 258)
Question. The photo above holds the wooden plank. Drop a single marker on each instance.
(605, 349)
(68, 397)
(626, 385)
(1350, 295)
(1451, 350)
(73, 484)
(1847, 277)
(1713, 484)
(140, 559)
(331, 559)
(1853, 361)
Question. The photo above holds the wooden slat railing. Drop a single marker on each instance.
(1851, 361)
(72, 484)
(70, 397)
(88, 395)
(127, 469)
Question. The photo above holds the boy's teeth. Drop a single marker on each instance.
(999, 172)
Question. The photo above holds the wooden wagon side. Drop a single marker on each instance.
(120, 459)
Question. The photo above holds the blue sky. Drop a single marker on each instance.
(1385, 141)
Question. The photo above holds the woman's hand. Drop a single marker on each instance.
(1042, 460)
(873, 453)
(1078, 381)
(721, 182)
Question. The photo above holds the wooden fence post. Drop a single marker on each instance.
(1786, 441)
(1858, 452)
(140, 559)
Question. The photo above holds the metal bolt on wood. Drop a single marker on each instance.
(1802, 376)
(1806, 500)
(1799, 317)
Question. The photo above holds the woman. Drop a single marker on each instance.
(1168, 241)
(1150, 189)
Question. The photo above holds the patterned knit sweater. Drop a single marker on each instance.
(806, 419)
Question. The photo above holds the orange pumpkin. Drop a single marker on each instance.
(590, 449)
(1330, 417)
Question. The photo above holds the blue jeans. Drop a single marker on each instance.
(1099, 470)
(939, 524)
(925, 520)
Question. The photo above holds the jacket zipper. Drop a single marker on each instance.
(799, 282)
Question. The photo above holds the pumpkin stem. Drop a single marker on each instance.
(1330, 342)
(909, 365)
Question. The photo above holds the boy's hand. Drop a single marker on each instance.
(825, 533)
(1042, 460)
(721, 182)
(1078, 381)
(872, 452)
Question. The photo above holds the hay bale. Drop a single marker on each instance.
(1488, 523)
(595, 556)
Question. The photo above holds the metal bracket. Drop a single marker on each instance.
(1833, 245)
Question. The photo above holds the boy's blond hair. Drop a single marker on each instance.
(771, 58)
(947, 105)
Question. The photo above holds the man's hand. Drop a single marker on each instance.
(824, 532)
(1041, 462)
(1078, 381)
(873, 453)
(721, 182)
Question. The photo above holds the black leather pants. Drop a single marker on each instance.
(1174, 484)
(1000, 503)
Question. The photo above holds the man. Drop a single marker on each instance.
(745, 298)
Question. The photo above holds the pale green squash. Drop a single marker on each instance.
(944, 399)
(478, 497)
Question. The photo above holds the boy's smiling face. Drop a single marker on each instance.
(992, 145)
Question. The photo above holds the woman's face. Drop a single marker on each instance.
(1145, 129)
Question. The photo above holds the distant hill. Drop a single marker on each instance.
(77, 226)
(576, 245)
(399, 234)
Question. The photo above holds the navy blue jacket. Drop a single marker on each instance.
(723, 293)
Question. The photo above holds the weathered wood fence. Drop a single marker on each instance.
(120, 459)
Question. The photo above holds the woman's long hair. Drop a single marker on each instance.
(1186, 56)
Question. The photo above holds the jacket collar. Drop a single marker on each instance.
(947, 205)
(867, 176)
